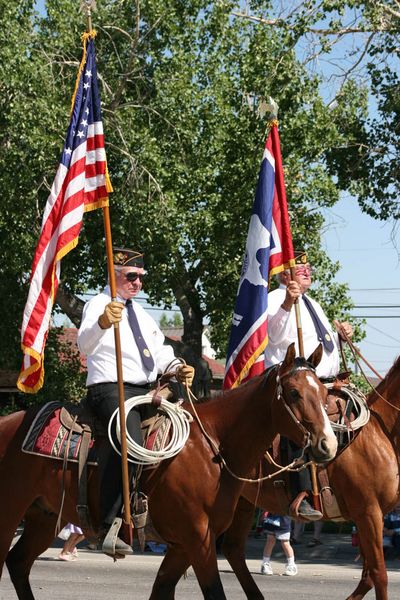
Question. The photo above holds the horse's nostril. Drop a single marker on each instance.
(323, 447)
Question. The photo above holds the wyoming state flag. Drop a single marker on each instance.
(269, 249)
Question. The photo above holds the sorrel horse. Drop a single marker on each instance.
(192, 497)
(365, 480)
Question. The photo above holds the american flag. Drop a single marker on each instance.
(269, 249)
(81, 184)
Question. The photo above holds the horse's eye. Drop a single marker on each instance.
(294, 394)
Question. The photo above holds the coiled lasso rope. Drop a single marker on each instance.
(180, 429)
(360, 407)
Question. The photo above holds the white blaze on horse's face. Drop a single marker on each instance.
(330, 441)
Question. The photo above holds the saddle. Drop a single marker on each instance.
(347, 409)
(68, 432)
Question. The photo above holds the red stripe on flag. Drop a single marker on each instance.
(94, 169)
(254, 345)
(95, 142)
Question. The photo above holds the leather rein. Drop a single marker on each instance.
(296, 464)
(357, 355)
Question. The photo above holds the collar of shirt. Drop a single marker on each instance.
(107, 291)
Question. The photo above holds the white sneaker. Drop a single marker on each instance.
(266, 569)
(290, 570)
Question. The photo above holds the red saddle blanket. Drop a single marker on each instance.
(47, 436)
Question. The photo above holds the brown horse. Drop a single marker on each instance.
(192, 497)
(365, 480)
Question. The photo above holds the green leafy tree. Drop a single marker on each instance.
(175, 321)
(180, 85)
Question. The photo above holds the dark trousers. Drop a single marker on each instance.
(299, 481)
(102, 399)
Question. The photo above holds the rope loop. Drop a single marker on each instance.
(180, 430)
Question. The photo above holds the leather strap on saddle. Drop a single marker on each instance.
(162, 392)
(329, 502)
(140, 519)
(85, 430)
(82, 506)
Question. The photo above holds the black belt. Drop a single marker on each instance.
(145, 386)
(327, 379)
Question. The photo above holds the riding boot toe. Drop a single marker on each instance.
(306, 511)
(111, 544)
(122, 548)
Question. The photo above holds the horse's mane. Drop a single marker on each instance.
(395, 367)
(393, 372)
(299, 363)
(222, 394)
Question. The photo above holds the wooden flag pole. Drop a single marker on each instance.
(298, 319)
(88, 5)
(313, 468)
(120, 378)
(272, 108)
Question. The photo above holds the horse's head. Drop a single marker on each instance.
(301, 400)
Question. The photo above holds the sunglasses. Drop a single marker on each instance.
(303, 270)
(132, 277)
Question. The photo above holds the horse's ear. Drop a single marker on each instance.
(316, 356)
(288, 362)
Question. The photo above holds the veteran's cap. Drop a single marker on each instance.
(300, 257)
(124, 257)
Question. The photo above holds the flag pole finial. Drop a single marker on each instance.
(271, 110)
(87, 6)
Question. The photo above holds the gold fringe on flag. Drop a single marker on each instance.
(84, 37)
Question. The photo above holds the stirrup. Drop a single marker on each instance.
(294, 507)
(110, 540)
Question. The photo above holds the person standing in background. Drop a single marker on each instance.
(278, 527)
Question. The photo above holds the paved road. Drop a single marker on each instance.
(95, 577)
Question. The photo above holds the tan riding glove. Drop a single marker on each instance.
(185, 374)
(112, 314)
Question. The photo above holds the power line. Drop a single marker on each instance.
(374, 289)
(377, 345)
(383, 333)
(376, 316)
(376, 306)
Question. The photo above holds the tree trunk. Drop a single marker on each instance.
(70, 304)
(187, 299)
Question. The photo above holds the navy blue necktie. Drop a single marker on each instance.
(322, 333)
(144, 352)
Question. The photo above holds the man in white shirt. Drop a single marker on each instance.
(316, 329)
(144, 356)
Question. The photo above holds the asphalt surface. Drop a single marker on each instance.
(328, 571)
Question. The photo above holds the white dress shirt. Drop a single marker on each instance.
(99, 347)
(282, 331)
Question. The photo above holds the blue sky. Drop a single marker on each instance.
(370, 265)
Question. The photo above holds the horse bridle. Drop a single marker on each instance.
(280, 396)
